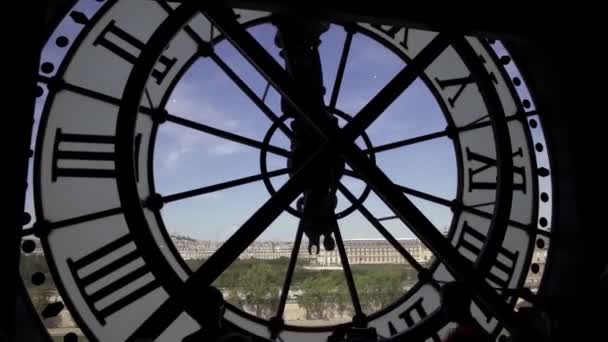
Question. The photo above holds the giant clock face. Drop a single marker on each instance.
(100, 216)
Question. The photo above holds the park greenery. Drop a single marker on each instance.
(254, 286)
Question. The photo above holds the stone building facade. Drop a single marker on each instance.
(359, 251)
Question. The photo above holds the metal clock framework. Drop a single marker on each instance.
(104, 101)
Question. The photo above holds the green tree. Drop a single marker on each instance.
(260, 286)
(324, 294)
(379, 285)
(313, 298)
(343, 301)
(253, 285)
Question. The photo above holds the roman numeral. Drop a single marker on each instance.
(72, 159)
(118, 254)
(501, 272)
(128, 48)
(472, 241)
(87, 155)
(391, 328)
(461, 83)
(491, 163)
(393, 31)
(409, 317)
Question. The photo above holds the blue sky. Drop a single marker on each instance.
(187, 159)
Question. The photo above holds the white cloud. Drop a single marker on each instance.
(178, 141)
(189, 103)
(225, 148)
(212, 196)
(232, 123)
(173, 144)
(172, 157)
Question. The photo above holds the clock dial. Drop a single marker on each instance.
(105, 228)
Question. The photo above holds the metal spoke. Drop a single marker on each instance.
(289, 275)
(406, 142)
(468, 127)
(222, 186)
(250, 49)
(252, 95)
(56, 84)
(487, 116)
(84, 218)
(340, 73)
(149, 98)
(381, 229)
(425, 196)
(44, 226)
(482, 204)
(471, 209)
(409, 191)
(525, 227)
(227, 135)
(350, 281)
(477, 124)
(224, 256)
(265, 92)
(387, 218)
(454, 205)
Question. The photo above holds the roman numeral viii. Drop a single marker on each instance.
(112, 277)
